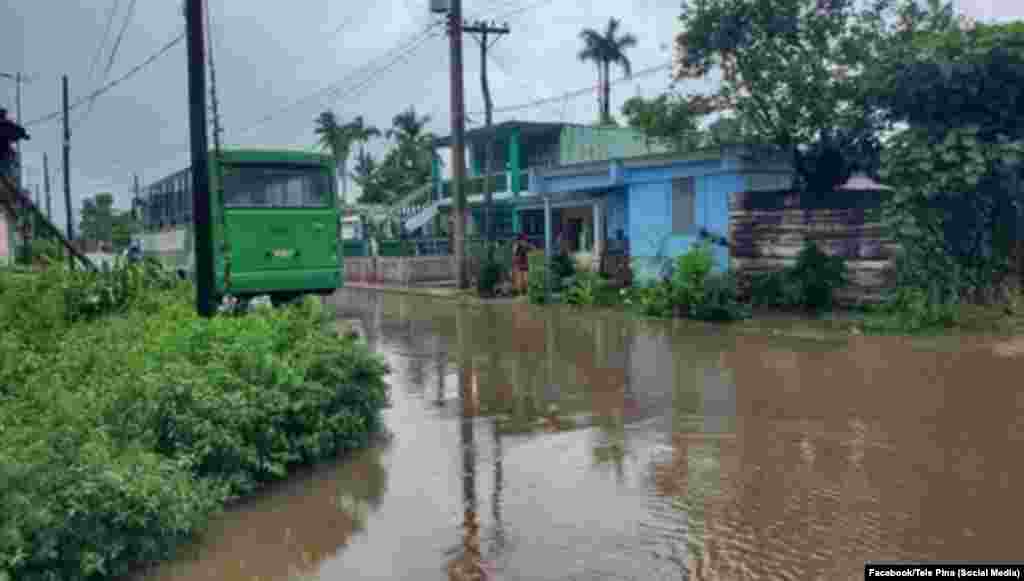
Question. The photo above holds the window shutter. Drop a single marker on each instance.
(684, 206)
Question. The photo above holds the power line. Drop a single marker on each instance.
(581, 92)
(103, 39)
(338, 86)
(131, 73)
(120, 36)
(110, 61)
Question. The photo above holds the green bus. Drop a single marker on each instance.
(274, 223)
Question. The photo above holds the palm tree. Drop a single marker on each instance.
(362, 133)
(603, 50)
(337, 139)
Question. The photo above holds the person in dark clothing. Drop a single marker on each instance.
(520, 263)
(10, 133)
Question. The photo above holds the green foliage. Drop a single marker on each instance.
(914, 310)
(954, 209)
(774, 289)
(120, 434)
(687, 282)
(720, 300)
(603, 49)
(537, 277)
(98, 217)
(491, 274)
(563, 267)
(588, 289)
(790, 73)
(818, 276)
(666, 120)
(693, 290)
(810, 284)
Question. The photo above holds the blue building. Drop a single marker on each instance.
(648, 207)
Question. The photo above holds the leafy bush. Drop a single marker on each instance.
(688, 277)
(491, 273)
(537, 277)
(719, 300)
(692, 291)
(912, 310)
(818, 276)
(776, 289)
(810, 284)
(120, 435)
(588, 289)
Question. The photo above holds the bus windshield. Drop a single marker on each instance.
(276, 186)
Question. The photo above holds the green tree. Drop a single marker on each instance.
(728, 130)
(366, 173)
(337, 139)
(98, 217)
(666, 120)
(123, 228)
(958, 168)
(362, 133)
(603, 49)
(791, 73)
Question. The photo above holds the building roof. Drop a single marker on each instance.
(525, 128)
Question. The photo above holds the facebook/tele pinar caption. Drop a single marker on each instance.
(944, 570)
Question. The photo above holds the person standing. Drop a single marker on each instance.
(10, 133)
(520, 263)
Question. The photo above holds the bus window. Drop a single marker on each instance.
(252, 185)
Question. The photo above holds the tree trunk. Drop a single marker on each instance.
(607, 92)
(343, 165)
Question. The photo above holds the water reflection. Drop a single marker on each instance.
(613, 448)
(288, 531)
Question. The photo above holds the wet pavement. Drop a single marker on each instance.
(529, 443)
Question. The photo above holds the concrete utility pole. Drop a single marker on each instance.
(484, 30)
(458, 141)
(200, 158)
(46, 187)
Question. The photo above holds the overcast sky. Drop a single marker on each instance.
(272, 54)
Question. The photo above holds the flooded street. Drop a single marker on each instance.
(532, 443)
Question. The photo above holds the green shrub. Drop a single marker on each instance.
(719, 301)
(588, 289)
(120, 435)
(537, 277)
(688, 277)
(491, 273)
(810, 284)
(912, 310)
(776, 289)
(818, 276)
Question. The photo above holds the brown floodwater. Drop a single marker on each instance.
(531, 443)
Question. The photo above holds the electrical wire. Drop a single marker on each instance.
(120, 36)
(338, 87)
(110, 61)
(104, 38)
(580, 92)
(107, 87)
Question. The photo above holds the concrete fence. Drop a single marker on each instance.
(403, 270)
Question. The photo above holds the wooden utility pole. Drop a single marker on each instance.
(67, 164)
(46, 187)
(458, 141)
(17, 111)
(200, 158)
(484, 30)
(136, 197)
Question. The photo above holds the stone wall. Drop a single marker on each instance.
(768, 229)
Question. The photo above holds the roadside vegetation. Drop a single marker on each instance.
(126, 420)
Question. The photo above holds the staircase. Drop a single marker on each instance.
(19, 205)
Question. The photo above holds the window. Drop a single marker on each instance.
(276, 186)
(684, 206)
